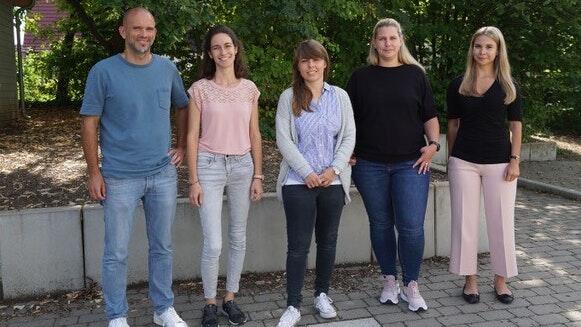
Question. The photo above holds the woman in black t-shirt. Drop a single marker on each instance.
(483, 155)
(394, 108)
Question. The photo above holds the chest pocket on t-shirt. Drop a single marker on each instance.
(164, 99)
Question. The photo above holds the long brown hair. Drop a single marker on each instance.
(302, 95)
(501, 66)
(208, 66)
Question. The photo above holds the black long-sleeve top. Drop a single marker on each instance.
(391, 105)
(483, 136)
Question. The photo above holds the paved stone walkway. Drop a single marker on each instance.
(547, 290)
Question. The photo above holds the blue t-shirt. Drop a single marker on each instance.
(133, 102)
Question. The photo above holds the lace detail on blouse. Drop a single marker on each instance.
(205, 90)
(225, 115)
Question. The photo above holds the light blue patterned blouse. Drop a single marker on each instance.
(317, 133)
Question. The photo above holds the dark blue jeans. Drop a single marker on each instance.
(394, 196)
(307, 209)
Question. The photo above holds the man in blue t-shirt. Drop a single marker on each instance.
(128, 99)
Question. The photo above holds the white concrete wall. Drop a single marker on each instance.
(441, 156)
(532, 151)
(41, 251)
(266, 239)
(443, 217)
(542, 151)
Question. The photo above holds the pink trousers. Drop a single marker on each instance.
(466, 181)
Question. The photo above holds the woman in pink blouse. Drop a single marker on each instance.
(224, 152)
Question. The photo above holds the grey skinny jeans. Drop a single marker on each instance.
(216, 172)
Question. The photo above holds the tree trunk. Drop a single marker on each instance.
(63, 78)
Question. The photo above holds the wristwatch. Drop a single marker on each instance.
(515, 156)
(336, 170)
(436, 143)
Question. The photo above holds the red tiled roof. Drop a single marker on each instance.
(49, 15)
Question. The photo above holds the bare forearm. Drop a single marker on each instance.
(516, 137)
(255, 141)
(432, 129)
(453, 125)
(256, 152)
(181, 127)
(90, 144)
(192, 158)
(192, 138)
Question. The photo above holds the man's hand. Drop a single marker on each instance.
(177, 155)
(96, 187)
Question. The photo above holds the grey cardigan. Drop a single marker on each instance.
(287, 140)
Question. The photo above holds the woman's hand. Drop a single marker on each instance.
(512, 171)
(352, 160)
(425, 159)
(256, 189)
(177, 155)
(196, 195)
(312, 180)
(327, 177)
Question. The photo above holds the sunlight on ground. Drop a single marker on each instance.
(533, 282)
(66, 171)
(573, 315)
(60, 172)
(17, 160)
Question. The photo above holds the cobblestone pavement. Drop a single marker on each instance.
(547, 290)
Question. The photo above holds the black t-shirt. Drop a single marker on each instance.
(483, 136)
(391, 105)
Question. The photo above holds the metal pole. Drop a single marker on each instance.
(21, 104)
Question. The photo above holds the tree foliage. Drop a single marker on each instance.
(542, 38)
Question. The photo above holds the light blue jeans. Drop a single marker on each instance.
(158, 194)
(234, 173)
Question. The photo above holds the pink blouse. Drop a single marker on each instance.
(226, 111)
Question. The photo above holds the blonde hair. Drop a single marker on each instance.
(501, 66)
(404, 56)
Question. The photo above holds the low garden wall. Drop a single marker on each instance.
(59, 249)
(533, 151)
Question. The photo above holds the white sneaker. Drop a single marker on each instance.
(118, 322)
(290, 317)
(323, 306)
(169, 318)
(390, 293)
(411, 294)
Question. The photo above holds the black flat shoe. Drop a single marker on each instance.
(504, 298)
(470, 298)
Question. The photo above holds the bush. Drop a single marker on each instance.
(39, 83)
(542, 38)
